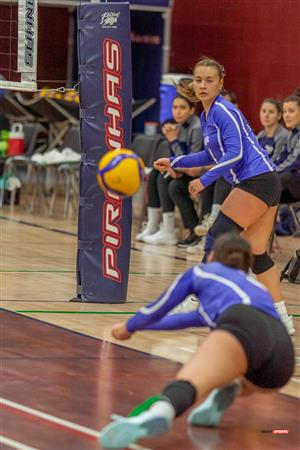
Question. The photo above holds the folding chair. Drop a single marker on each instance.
(14, 111)
(13, 164)
(68, 174)
(59, 116)
(294, 208)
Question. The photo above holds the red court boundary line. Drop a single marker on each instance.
(56, 423)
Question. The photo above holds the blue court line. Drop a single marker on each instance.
(72, 312)
(74, 271)
(68, 233)
(37, 271)
(87, 312)
(35, 225)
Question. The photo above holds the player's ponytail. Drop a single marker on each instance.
(233, 251)
(185, 89)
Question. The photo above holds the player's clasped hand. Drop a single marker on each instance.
(119, 331)
(162, 164)
(195, 187)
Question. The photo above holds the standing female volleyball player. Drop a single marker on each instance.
(231, 145)
(247, 340)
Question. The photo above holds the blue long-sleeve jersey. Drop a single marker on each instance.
(217, 287)
(229, 144)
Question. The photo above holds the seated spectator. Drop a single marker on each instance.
(288, 161)
(230, 96)
(297, 91)
(184, 135)
(274, 135)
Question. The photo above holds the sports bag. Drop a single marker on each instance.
(291, 272)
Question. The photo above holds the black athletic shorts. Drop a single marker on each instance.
(266, 187)
(268, 346)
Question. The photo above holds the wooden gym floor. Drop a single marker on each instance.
(62, 374)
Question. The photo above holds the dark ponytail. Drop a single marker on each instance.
(233, 251)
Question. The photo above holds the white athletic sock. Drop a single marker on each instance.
(163, 408)
(215, 210)
(153, 218)
(169, 222)
(284, 317)
(281, 308)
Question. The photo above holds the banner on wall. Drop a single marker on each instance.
(147, 30)
(148, 22)
(150, 3)
(104, 223)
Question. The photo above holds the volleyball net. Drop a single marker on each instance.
(18, 44)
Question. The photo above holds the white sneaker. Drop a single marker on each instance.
(124, 431)
(210, 412)
(189, 304)
(203, 227)
(162, 237)
(196, 249)
(147, 231)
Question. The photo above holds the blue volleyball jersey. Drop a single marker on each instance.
(229, 144)
(217, 288)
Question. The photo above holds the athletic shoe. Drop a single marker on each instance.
(189, 304)
(210, 412)
(203, 227)
(147, 231)
(197, 249)
(162, 237)
(190, 241)
(123, 431)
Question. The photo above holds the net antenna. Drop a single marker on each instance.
(18, 37)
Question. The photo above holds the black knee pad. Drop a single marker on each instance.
(261, 263)
(181, 394)
(223, 224)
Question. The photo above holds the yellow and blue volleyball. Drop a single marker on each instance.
(120, 171)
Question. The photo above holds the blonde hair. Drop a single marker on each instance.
(185, 87)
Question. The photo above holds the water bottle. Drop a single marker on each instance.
(4, 135)
(16, 145)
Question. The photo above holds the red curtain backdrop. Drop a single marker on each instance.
(258, 41)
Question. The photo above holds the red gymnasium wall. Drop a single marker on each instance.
(258, 41)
